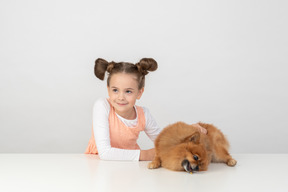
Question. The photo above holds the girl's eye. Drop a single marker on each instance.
(129, 92)
(115, 90)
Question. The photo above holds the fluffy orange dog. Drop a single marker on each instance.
(181, 147)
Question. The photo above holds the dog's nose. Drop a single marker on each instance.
(185, 162)
(186, 165)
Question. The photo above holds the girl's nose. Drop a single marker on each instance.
(121, 96)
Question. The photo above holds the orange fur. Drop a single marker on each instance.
(178, 144)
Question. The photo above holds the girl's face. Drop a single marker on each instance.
(123, 92)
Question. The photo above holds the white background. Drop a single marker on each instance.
(220, 62)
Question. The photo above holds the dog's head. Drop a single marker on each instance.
(196, 157)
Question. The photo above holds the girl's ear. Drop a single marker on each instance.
(140, 93)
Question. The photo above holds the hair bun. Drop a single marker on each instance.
(146, 64)
(110, 66)
(100, 68)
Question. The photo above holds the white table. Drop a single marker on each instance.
(79, 172)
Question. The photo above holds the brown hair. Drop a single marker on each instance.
(140, 69)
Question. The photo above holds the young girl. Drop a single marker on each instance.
(117, 121)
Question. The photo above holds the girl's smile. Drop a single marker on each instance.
(120, 104)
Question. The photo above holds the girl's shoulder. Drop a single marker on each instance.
(102, 104)
(146, 111)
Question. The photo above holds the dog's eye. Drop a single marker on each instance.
(195, 157)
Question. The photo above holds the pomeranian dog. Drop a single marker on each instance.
(181, 147)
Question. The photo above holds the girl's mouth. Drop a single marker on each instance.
(122, 104)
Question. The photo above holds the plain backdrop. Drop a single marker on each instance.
(222, 62)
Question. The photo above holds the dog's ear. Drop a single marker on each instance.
(195, 138)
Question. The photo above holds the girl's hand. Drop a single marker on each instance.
(200, 128)
(147, 155)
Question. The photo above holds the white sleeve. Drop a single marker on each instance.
(152, 129)
(101, 111)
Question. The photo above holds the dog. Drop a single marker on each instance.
(181, 147)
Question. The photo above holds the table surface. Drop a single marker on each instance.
(79, 172)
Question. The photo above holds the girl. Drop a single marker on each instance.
(117, 122)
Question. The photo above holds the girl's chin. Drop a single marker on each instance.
(120, 107)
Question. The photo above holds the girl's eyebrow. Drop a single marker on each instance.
(113, 87)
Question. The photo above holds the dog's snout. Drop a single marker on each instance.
(189, 167)
(186, 165)
(185, 162)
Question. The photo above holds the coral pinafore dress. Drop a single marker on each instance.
(121, 136)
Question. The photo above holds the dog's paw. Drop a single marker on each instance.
(154, 165)
(231, 162)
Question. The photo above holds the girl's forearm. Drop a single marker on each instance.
(147, 155)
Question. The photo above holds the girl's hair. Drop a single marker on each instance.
(140, 69)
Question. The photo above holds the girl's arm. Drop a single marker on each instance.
(152, 129)
(101, 111)
(147, 155)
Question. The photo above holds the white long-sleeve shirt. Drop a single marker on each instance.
(101, 111)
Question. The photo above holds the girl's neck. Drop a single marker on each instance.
(129, 115)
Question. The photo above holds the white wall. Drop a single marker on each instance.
(221, 62)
